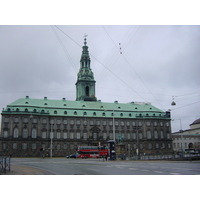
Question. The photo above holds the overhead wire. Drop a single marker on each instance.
(104, 66)
(64, 49)
(132, 66)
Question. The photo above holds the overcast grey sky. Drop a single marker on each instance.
(153, 64)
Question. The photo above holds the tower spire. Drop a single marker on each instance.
(85, 39)
(85, 85)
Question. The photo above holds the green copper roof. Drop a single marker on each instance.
(82, 108)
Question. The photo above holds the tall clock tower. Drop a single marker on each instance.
(85, 85)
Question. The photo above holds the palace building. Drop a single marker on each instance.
(31, 125)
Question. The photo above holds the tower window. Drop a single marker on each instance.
(87, 91)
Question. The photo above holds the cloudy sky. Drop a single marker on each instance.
(130, 63)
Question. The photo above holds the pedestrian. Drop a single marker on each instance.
(106, 156)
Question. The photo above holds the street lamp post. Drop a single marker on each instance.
(181, 131)
(113, 126)
(138, 142)
(51, 137)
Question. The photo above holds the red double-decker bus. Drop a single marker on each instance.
(92, 151)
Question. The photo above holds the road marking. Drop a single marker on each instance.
(174, 173)
(145, 170)
(158, 172)
(94, 169)
(133, 168)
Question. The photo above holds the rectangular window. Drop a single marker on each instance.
(58, 121)
(127, 123)
(14, 145)
(155, 123)
(16, 119)
(33, 146)
(71, 122)
(104, 122)
(44, 121)
(133, 124)
(148, 123)
(78, 122)
(6, 119)
(139, 123)
(71, 147)
(104, 136)
(110, 123)
(25, 120)
(34, 120)
(122, 123)
(91, 122)
(44, 134)
(24, 145)
(65, 121)
(98, 122)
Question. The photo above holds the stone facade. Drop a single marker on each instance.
(27, 123)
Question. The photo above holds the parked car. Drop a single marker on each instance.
(72, 156)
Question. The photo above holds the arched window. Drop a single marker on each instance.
(78, 135)
(148, 134)
(87, 91)
(44, 134)
(71, 135)
(85, 136)
(25, 133)
(161, 134)
(94, 136)
(5, 134)
(104, 136)
(16, 132)
(34, 133)
(155, 134)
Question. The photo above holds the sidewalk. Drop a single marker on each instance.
(22, 170)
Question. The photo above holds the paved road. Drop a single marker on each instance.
(63, 166)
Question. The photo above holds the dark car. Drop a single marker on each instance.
(72, 156)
